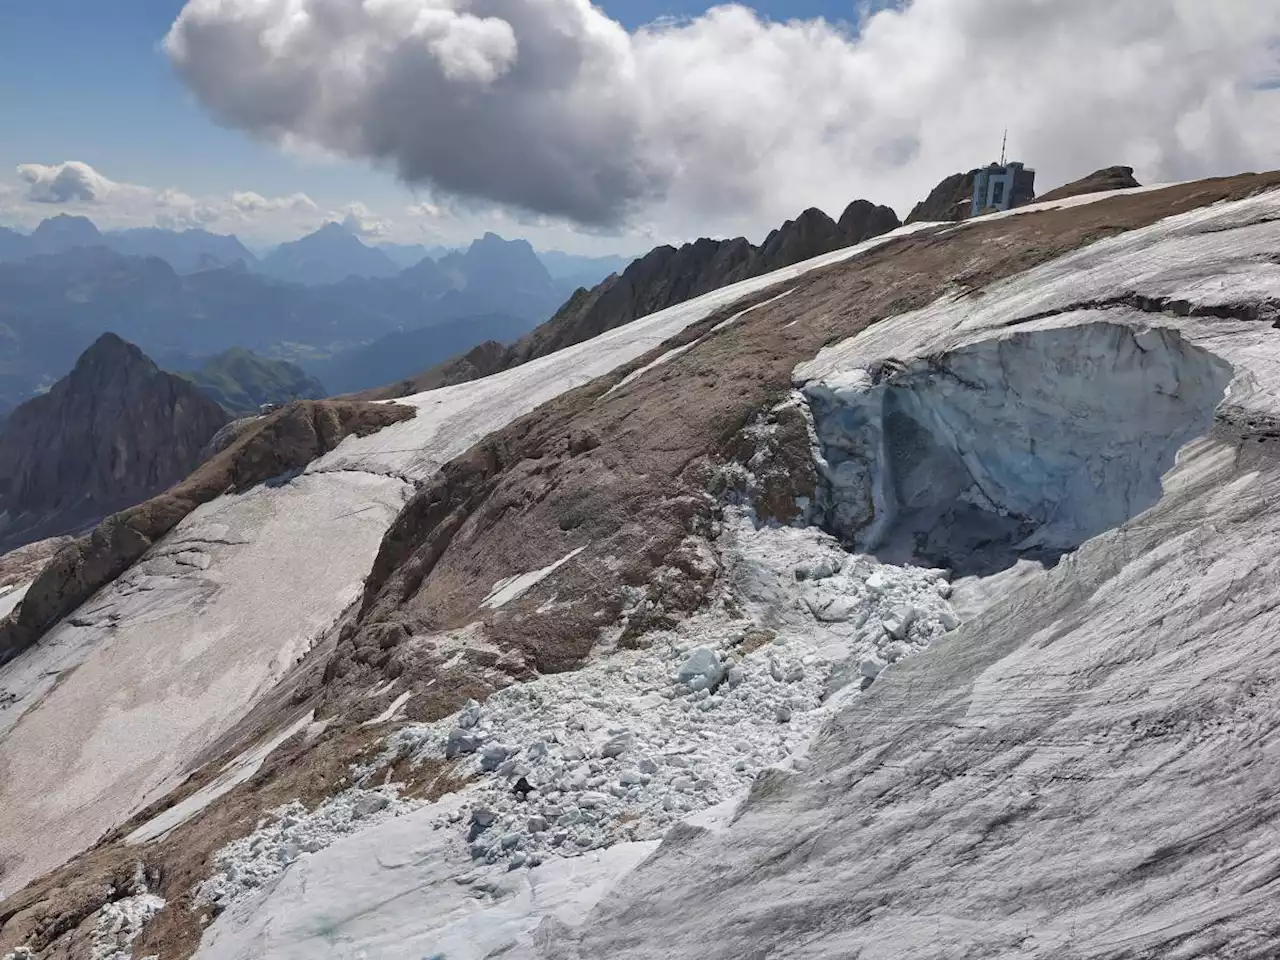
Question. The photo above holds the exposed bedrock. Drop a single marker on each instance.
(1023, 445)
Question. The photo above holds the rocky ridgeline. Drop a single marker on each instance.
(633, 743)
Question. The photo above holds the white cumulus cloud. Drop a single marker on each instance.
(552, 107)
(69, 182)
(77, 186)
(248, 202)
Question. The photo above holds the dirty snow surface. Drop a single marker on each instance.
(11, 596)
(103, 715)
(1089, 766)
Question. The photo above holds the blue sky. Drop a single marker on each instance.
(84, 80)
(725, 128)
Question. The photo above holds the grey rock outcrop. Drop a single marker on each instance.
(1109, 178)
(947, 202)
(864, 220)
(112, 433)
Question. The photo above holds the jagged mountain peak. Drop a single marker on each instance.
(327, 255)
(110, 353)
(114, 431)
(64, 232)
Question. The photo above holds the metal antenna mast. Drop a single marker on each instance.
(1003, 145)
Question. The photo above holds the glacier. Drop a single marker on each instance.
(1088, 766)
(1103, 425)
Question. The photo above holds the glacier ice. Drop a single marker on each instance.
(1027, 443)
(1088, 768)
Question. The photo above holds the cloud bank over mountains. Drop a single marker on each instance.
(727, 120)
(81, 189)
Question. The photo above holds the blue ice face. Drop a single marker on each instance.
(1037, 440)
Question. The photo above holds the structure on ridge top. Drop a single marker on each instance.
(1003, 185)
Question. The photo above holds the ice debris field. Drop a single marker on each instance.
(572, 765)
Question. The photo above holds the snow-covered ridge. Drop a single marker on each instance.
(1216, 255)
(451, 420)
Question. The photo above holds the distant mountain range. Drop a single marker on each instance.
(327, 256)
(348, 315)
(330, 254)
(77, 285)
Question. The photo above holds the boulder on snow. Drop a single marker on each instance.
(618, 744)
(702, 663)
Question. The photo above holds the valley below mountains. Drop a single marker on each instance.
(883, 590)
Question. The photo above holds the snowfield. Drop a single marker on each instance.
(11, 596)
(106, 712)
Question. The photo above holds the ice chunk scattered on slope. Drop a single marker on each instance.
(290, 832)
(627, 746)
(616, 753)
(119, 924)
